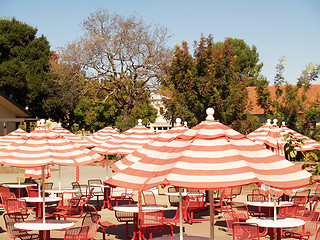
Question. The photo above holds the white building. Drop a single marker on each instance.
(161, 124)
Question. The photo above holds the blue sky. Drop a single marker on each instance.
(289, 28)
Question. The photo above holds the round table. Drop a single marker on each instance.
(277, 224)
(268, 204)
(59, 191)
(44, 227)
(38, 203)
(135, 210)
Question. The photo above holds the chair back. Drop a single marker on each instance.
(288, 211)
(124, 216)
(16, 205)
(92, 220)
(77, 233)
(97, 190)
(65, 198)
(4, 189)
(32, 191)
(230, 218)
(149, 198)
(73, 206)
(240, 209)
(196, 200)
(256, 197)
(48, 185)
(311, 219)
(4, 196)
(82, 190)
(151, 219)
(243, 230)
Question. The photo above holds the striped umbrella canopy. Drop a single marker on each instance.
(209, 156)
(274, 141)
(164, 138)
(102, 135)
(259, 135)
(128, 141)
(12, 137)
(309, 144)
(43, 147)
(73, 137)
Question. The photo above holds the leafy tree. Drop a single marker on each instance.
(24, 67)
(122, 56)
(209, 79)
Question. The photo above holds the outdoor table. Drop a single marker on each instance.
(44, 227)
(278, 224)
(268, 205)
(106, 193)
(135, 210)
(38, 202)
(19, 187)
(58, 192)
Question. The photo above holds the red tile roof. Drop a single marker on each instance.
(312, 94)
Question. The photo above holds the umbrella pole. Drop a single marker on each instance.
(43, 198)
(107, 168)
(180, 214)
(211, 214)
(59, 177)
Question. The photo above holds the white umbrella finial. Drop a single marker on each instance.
(59, 124)
(139, 122)
(185, 124)
(41, 122)
(283, 124)
(275, 121)
(210, 112)
(178, 121)
(269, 121)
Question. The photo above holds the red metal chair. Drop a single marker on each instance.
(92, 220)
(17, 205)
(256, 211)
(309, 229)
(301, 202)
(230, 218)
(98, 191)
(150, 199)
(176, 219)
(126, 217)
(317, 237)
(151, 222)
(71, 211)
(32, 191)
(10, 220)
(288, 211)
(76, 233)
(196, 204)
(116, 199)
(84, 201)
(240, 209)
(243, 230)
(4, 196)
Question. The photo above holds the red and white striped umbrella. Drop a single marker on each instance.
(73, 137)
(274, 141)
(128, 141)
(309, 144)
(164, 138)
(259, 135)
(102, 136)
(43, 147)
(14, 136)
(209, 156)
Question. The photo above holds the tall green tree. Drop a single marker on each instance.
(24, 67)
(208, 79)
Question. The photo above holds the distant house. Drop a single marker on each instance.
(312, 94)
(11, 114)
